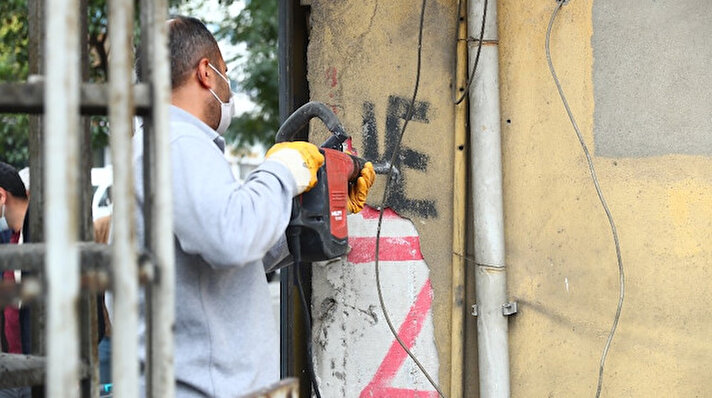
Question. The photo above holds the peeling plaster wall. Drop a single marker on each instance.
(362, 62)
(560, 254)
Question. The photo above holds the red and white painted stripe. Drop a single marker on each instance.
(355, 354)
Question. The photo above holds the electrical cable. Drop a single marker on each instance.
(308, 327)
(295, 249)
(600, 197)
(471, 77)
(394, 158)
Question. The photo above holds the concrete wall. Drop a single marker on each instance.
(641, 99)
(652, 77)
(362, 62)
(560, 251)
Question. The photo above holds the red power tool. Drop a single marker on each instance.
(317, 230)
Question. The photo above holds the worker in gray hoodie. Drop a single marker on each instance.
(226, 338)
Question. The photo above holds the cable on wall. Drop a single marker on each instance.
(471, 77)
(390, 175)
(614, 231)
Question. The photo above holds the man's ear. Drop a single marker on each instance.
(204, 73)
(3, 196)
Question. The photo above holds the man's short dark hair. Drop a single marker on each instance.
(189, 41)
(10, 181)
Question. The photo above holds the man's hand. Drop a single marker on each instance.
(359, 190)
(301, 158)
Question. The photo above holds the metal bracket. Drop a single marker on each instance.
(509, 308)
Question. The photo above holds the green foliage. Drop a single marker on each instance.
(256, 28)
(13, 67)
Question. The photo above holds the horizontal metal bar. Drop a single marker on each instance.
(30, 256)
(95, 260)
(18, 370)
(94, 98)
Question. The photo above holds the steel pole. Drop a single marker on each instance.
(61, 210)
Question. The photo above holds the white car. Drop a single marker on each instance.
(101, 181)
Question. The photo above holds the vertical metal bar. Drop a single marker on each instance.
(36, 140)
(149, 142)
(162, 303)
(61, 206)
(293, 93)
(124, 341)
(89, 322)
(36, 67)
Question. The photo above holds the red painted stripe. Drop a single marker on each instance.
(369, 213)
(391, 248)
(402, 393)
(394, 359)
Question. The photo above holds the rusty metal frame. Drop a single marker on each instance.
(68, 265)
(94, 98)
(124, 339)
(158, 204)
(61, 207)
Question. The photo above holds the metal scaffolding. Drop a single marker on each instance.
(64, 360)
(64, 268)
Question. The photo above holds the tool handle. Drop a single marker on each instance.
(304, 114)
(358, 165)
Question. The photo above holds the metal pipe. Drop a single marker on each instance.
(61, 209)
(162, 304)
(124, 341)
(459, 204)
(490, 274)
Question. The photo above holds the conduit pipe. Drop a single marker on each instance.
(459, 221)
(490, 274)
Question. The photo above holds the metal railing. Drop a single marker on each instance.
(70, 265)
(74, 269)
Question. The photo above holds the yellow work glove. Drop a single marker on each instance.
(301, 158)
(359, 190)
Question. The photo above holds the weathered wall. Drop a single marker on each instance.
(362, 62)
(560, 251)
(652, 82)
(639, 96)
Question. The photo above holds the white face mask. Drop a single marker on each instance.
(227, 109)
(3, 222)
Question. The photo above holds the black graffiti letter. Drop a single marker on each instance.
(408, 158)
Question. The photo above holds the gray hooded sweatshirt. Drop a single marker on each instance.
(226, 338)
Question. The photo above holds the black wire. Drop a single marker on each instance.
(294, 244)
(308, 328)
(394, 159)
(471, 77)
(619, 257)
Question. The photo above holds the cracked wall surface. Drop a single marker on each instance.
(355, 354)
(560, 254)
(362, 62)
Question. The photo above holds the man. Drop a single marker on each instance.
(14, 202)
(226, 339)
